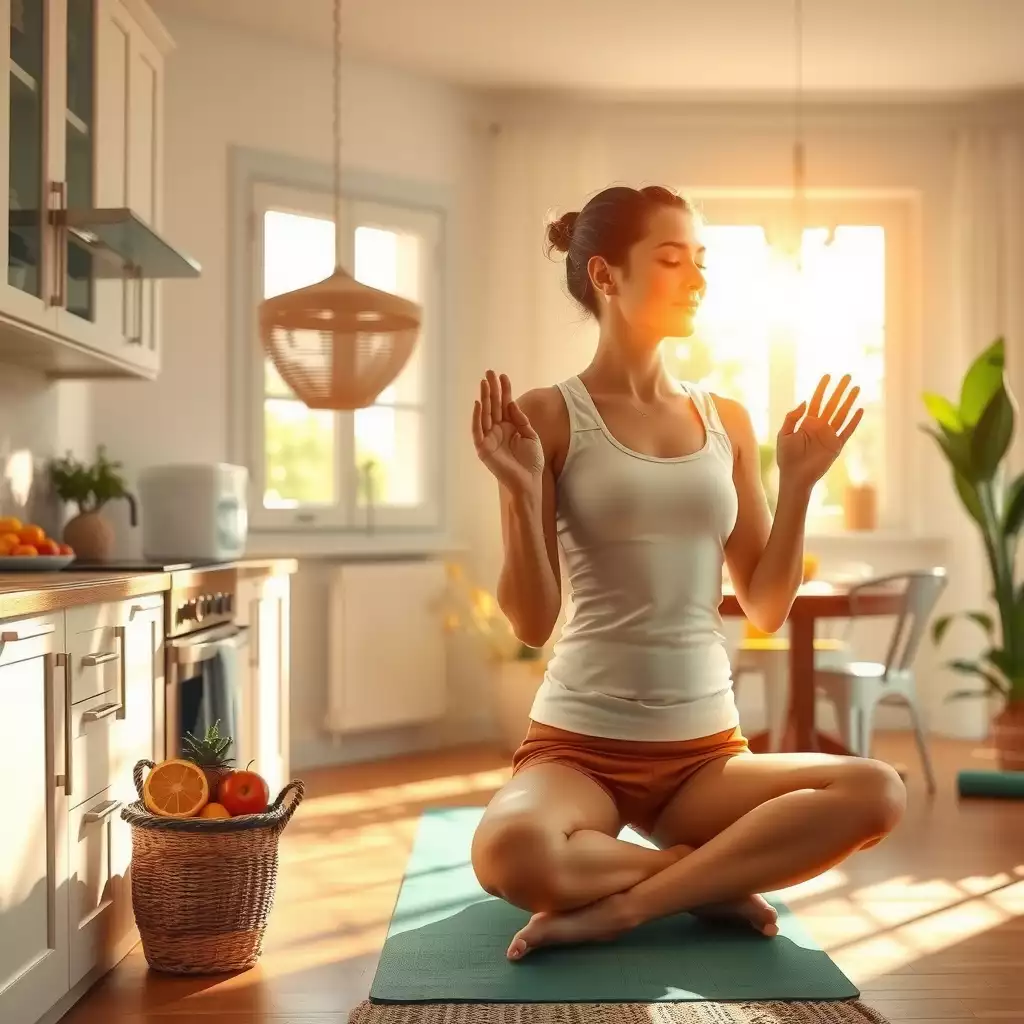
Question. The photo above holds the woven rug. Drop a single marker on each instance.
(843, 1012)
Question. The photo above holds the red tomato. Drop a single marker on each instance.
(243, 792)
(48, 547)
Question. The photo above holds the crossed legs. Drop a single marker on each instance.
(740, 826)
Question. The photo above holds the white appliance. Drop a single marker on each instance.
(194, 512)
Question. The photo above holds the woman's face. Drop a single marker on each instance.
(660, 288)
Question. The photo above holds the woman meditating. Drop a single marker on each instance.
(647, 484)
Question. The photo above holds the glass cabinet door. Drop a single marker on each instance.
(26, 199)
(80, 134)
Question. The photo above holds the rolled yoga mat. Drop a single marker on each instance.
(1009, 785)
(447, 942)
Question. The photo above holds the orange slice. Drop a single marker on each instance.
(176, 789)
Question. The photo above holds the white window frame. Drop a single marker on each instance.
(265, 182)
(897, 213)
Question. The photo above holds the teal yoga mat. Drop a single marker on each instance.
(1009, 785)
(447, 943)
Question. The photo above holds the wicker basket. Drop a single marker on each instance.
(202, 888)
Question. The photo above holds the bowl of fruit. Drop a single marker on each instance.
(26, 547)
(201, 827)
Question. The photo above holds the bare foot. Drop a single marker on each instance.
(754, 910)
(598, 922)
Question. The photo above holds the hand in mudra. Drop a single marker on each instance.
(505, 442)
(806, 450)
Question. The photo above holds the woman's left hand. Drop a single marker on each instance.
(806, 450)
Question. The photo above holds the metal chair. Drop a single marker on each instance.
(856, 688)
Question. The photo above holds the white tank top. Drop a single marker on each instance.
(642, 655)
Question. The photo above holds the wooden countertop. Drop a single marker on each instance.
(39, 593)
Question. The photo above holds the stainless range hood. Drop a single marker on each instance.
(124, 244)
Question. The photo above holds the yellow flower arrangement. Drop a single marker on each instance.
(466, 606)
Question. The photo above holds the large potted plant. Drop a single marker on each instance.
(975, 436)
(519, 668)
(90, 488)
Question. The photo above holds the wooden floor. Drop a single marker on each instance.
(930, 924)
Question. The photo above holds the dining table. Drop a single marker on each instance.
(815, 599)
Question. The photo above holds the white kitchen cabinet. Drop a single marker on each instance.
(264, 606)
(111, 729)
(34, 936)
(81, 155)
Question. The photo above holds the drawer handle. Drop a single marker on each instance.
(12, 636)
(103, 711)
(92, 660)
(61, 661)
(101, 813)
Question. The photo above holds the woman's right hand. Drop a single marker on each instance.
(505, 442)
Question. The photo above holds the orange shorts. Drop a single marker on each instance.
(640, 776)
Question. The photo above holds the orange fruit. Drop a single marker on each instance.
(8, 524)
(48, 547)
(9, 540)
(214, 810)
(23, 551)
(32, 534)
(66, 549)
(176, 789)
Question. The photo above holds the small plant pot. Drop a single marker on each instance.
(1008, 737)
(90, 536)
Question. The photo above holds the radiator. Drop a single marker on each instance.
(386, 666)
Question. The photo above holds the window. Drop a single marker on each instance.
(770, 327)
(376, 467)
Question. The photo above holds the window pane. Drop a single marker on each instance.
(298, 250)
(393, 262)
(841, 329)
(729, 350)
(300, 459)
(391, 440)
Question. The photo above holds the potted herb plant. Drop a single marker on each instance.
(975, 436)
(90, 488)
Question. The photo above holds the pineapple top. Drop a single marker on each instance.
(210, 751)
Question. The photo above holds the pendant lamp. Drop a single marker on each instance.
(338, 343)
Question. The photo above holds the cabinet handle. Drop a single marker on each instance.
(136, 278)
(58, 295)
(61, 661)
(122, 639)
(92, 660)
(101, 813)
(12, 636)
(103, 711)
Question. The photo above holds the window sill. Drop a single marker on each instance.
(351, 545)
(874, 538)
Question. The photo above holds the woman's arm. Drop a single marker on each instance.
(765, 558)
(530, 584)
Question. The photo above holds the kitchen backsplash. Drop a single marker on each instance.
(38, 419)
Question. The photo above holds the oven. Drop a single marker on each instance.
(207, 662)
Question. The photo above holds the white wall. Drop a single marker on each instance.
(39, 419)
(226, 88)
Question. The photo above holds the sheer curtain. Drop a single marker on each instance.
(987, 300)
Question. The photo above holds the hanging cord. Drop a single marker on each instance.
(337, 134)
(798, 127)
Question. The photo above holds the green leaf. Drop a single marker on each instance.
(969, 497)
(954, 447)
(943, 411)
(939, 627)
(981, 382)
(982, 619)
(1013, 518)
(972, 668)
(990, 439)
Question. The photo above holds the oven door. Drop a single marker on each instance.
(207, 684)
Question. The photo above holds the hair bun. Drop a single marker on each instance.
(560, 231)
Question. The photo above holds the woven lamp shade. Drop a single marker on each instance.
(338, 343)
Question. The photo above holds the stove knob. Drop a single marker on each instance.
(199, 609)
(229, 603)
(218, 604)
